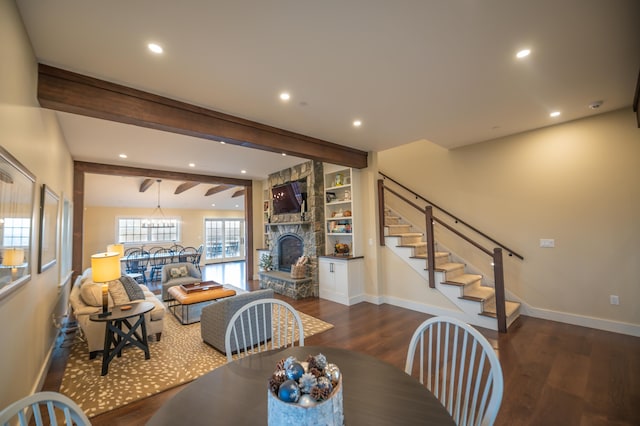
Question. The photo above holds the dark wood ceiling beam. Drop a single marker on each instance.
(146, 184)
(238, 193)
(217, 189)
(184, 187)
(108, 169)
(78, 94)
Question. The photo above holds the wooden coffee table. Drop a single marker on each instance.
(184, 299)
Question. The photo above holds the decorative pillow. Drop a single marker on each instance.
(132, 288)
(118, 293)
(91, 293)
(182, 271)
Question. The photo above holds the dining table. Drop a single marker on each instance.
(374, 392)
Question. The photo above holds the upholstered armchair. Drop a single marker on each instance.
(178, 274)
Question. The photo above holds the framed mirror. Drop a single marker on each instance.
(49, 206)
(17, 194)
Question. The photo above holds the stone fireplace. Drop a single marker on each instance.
(293, 235)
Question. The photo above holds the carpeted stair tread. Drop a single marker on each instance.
(418, 244)
(478, 293)
(510, 307)
(439, 255)
(451, 266)
(464, 279)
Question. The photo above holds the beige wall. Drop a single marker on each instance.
(32, 136)
(100, 226)
(578, 183)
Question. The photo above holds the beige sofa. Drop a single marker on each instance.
(86, 299)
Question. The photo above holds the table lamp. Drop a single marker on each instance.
(13, 257)
(105, 267)
(117, 248)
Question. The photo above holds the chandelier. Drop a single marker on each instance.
(158, 219)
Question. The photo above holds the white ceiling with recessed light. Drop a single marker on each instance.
(442, 71)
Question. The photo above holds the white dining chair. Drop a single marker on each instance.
(262, 325)
(58, 407)
(462, 370)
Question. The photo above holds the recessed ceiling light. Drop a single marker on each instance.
(243, 171)
(523, 53)
(123, 155)
(213, 205)
(155, 48)
(285, 96)
(554, 114)
(284, 154)
(357, 123)
(222, 142)
(237, 205)
(192, 164)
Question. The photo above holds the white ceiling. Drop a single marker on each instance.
(443, 71)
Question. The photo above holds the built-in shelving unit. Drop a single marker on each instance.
(340, 184)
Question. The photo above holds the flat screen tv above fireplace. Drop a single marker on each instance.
(290, 197)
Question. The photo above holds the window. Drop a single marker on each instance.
(16, 232)
(148, 230)
(224, 239)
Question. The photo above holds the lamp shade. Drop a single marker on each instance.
(118, 248)
(13, 257)
(105, 267)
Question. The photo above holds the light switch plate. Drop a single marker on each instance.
(547, 242)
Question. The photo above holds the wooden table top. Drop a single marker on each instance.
(374, 393)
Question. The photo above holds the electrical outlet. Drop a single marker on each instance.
(615, 300)
(547, 242)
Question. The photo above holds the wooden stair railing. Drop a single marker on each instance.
(430, 220)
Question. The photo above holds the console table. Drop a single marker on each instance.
(115, 338)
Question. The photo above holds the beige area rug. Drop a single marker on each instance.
(180, 357)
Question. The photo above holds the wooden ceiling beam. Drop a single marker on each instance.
(216, 189)
(184, 187)
(146, 184)
(66, 91)
(238, 193)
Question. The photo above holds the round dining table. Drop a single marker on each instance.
(374, 392)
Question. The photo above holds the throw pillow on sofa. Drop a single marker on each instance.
(133, 289)
(179, 272)
(91, 293)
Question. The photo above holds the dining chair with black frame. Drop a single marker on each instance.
(136, 263)
(157, 260)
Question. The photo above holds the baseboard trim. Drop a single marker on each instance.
(584, 321)
(525, 309)
(44, 370)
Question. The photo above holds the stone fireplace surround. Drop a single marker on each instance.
(310, 228)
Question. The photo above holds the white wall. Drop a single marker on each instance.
(33, 136)
(578, 183)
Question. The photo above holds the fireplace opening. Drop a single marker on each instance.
(290, 248)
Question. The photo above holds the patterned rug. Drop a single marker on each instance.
(179, 357)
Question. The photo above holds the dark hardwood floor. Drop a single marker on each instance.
(554, 373)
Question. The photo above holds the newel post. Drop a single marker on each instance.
(381, 211)
(498, 273)
(431, 247)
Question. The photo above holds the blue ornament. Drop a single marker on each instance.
(294, 371)
(289, 391)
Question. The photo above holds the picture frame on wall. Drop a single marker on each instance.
(49, 206)
(17, 198)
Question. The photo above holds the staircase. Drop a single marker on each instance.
(470, 292)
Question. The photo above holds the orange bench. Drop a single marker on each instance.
(183, 301)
